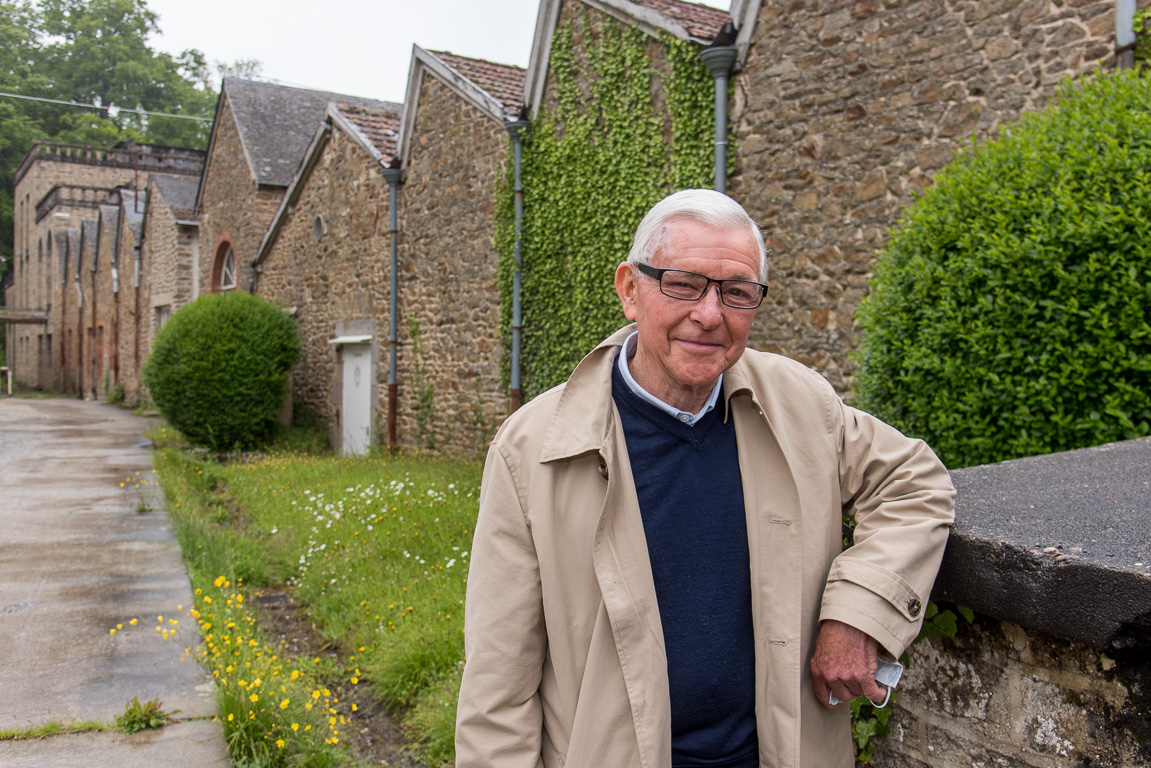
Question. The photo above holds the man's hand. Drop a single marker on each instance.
(844, 663)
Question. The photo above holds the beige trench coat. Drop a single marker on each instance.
(565, 654)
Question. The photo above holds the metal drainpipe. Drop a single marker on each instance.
(1124, 34)
(719, 60)
(392, 176)
(516, 129)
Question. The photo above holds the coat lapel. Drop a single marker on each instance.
(775, 537)
(581, 425)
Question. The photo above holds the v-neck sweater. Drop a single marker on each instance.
(690, 492)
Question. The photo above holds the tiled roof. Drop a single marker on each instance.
(700, 21)
(502, 82)
(179, 192)
(379, 126)
(277, 123)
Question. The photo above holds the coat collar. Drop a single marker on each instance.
(581, 423)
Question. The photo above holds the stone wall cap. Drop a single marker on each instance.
(1059, 543)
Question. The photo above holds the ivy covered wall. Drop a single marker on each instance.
(626, 119)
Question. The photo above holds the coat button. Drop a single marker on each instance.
(603, 470)
(914, 607)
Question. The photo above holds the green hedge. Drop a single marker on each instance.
(1008, 314)
(218, 368)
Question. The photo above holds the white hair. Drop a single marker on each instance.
(704, 205)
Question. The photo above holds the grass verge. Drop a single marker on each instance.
(375, 549)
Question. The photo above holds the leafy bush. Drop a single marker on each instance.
(1008, 314)
(218, 368)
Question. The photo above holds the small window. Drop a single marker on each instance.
(319, 227)
(228, 271)
(163, 314)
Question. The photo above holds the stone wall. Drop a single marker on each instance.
(233, 207)
(448, 274)
(1006, 696)
(845, 109)
(100, 318)
(340, 278)
(1051, 552)
(133, 306)
(167, 253)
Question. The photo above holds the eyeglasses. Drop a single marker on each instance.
(691, 286)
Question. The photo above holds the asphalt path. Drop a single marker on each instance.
(86, 545)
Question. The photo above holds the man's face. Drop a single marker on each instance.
(685, 345)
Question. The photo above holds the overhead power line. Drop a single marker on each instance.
(105, 109)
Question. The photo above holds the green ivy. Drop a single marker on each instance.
(595, 160)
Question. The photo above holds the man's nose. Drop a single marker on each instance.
(709, 308)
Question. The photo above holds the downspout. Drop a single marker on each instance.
(392, 176)
(719, 58)
(1124, 34)
(516, 129)
(136, 280)
(79, 336)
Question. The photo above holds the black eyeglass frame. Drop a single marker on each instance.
(658, 274)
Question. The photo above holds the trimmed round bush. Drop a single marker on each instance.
(1008, 314)
(218, 368)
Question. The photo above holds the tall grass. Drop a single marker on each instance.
(375, 549)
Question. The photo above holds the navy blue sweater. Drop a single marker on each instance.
(691, 500)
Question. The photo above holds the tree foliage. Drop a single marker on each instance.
(1009, 313)
(218, 368)
(96, 53)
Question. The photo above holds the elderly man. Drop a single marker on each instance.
(657, 575)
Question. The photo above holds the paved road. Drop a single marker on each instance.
(79, 554)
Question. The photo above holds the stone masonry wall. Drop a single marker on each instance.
(133, 311)
(100, 319)
(1004, 696)
(167, 251)
(340, 278)
(845, 109)
(110, 298)
(448, 274)
(232, 204)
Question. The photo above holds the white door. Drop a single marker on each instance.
(357, 404)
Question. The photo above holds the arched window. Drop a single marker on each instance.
(224, 272)
(228, 271)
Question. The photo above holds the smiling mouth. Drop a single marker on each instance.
(698, 344)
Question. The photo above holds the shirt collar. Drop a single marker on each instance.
(686, 417)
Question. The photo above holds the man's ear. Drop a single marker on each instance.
(626, 286)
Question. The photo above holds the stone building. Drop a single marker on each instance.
(71, 205)
(327, 255)
(258, 139)
(325, 259)
(453, 148)
(843, 111)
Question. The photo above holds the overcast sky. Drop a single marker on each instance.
(353, 47)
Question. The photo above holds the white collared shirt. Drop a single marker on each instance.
(687, 417)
